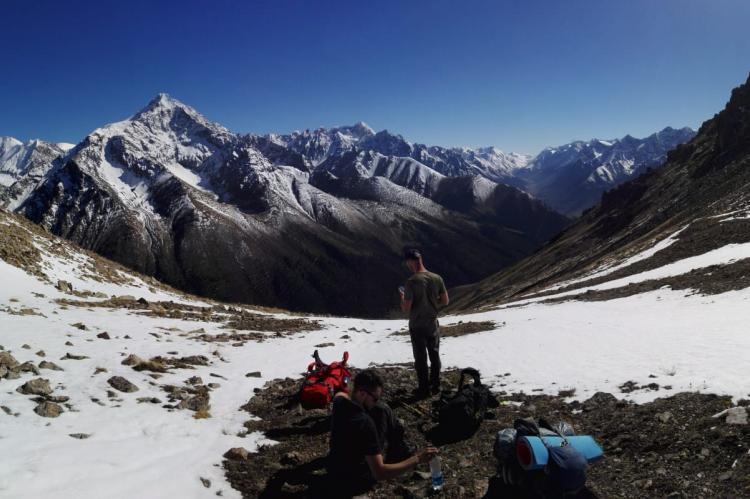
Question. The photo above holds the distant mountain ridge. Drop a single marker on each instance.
(694, 206)
(573, 177)
(246, 218)
(569, 178)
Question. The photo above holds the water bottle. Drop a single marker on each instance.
(437, 474)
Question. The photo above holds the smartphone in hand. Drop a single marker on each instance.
(401, 289)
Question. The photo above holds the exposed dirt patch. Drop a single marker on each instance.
(17, 247)
(671, 447)
(258, 322)
(700, 237)
(711, 280)
(232, 317)
(459, 329)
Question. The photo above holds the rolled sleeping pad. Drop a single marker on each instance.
(533, 455)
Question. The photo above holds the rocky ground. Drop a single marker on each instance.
(673, 447)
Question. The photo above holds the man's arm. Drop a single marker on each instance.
(382, 471)
(407, 298)
(443, 294)
(405, 304)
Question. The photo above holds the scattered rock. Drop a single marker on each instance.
(80, 325)
(195, 403)
(291, 458)
(121, 384)
(422, 475)
(48, 409)
(70, 356)
(664, 416)
(79, 436)
(64, 286)
(6, 410)
(140, 364)
(734, 415)
(60, 399)
(217, 376)
(49, 365)
(254, 374)
(100, 370)
(41, 353)
(324, 345)
(38, 386)
(236, 454)
(194, 380)
(7, 360)
(103, 336)
(206, 482)
(150, 400)
(28, 367)
(214, 385)
(68, 344)
(737, 415)
(26, 346)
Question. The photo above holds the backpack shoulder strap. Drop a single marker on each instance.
(470, 371)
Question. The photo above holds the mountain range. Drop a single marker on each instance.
(242, 218)
(568, 178)
(312, 220)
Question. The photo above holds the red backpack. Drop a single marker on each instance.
(323, 381)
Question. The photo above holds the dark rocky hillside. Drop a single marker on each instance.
(701, 181)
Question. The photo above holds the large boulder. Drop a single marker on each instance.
(121, 384)
(7, 360)
(38, 386)
(48, 409)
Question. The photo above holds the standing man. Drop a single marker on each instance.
(355, 460)
(420, 298)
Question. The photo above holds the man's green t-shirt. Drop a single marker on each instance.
(423, 289)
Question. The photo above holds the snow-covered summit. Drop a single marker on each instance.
(572, 177)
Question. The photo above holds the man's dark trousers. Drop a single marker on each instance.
(426, 343)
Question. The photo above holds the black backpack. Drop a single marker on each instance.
(566, 469)
(463, 412)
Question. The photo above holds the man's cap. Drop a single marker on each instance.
(412, 254)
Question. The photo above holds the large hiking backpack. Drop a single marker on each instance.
(564, 472)
(323, 381)
(461, 414)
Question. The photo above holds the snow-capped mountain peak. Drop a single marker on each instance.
(168, 114)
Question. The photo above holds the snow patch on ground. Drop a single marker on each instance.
(643, 255)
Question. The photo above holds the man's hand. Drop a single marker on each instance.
(425, 455)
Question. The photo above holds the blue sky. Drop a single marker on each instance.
(516, 74)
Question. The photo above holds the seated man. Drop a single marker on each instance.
(355, 460)
(391, 434)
